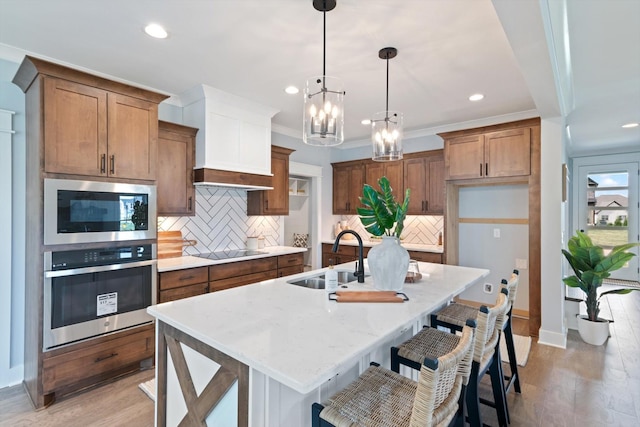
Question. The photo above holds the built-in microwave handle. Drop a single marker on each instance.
(97, 269)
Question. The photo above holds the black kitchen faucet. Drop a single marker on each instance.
(360, 264)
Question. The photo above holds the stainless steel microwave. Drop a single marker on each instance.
(89, 211)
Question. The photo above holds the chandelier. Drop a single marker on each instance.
(323, 116)
(386, 126)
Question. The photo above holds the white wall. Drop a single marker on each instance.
(552, 233)
(478, 246)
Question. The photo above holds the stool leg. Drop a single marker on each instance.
(497, 385)
(502, 376)
(316, 408)
(511, 350)
(395, 362)
(473, 400)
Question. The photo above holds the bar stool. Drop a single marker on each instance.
(380, 397)
(455, 315)
(485, 358)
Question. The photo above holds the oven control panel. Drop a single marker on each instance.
(66, 260)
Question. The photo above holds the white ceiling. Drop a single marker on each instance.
(447, 50)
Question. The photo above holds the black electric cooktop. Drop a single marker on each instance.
(235, 253)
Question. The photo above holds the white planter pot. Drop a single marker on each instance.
(595, 333)
(388, 263)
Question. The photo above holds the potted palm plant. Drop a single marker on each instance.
(591, 266)
(382, 215)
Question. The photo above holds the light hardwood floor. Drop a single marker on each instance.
(580, 386)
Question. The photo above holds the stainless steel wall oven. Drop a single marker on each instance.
(90, 292)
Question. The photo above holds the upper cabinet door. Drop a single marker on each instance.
(276, 201)
(415, 179)
(133, 137)
(176, 159)
(508, 153)
(436, 200)
(75, 128)
(464, 157)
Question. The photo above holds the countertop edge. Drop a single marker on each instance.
(193, 261)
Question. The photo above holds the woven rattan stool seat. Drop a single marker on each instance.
(383, 398)
(429, 342)
(457, 314)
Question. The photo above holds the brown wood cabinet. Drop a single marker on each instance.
(176, 159)
(79, 125)
(348, 180)
(178, 284)
(276, 201)
(76, 366)
(290, 264)
(230, 275)
(433, 257)
(504, 153)
(394, 171)
(95, 132)
(345, 253)
(424, 175)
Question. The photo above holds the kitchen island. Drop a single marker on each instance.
(261, 354)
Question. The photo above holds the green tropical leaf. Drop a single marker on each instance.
(619, 291)
(375, 216)
(614, 261)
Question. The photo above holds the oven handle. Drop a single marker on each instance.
(97, 269)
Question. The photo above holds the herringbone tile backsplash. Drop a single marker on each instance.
(422, 229)
(221, 222)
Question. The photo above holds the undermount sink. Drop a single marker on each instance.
(316, 281)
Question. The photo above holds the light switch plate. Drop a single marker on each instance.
(521, 264)
(496, 233)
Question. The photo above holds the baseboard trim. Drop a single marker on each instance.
(553, 339)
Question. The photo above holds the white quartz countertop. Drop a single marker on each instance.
(298, 337)
(189, 261)
(408, 246)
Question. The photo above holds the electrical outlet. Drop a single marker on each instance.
(488, 288)
(521, 264)
(496, 233)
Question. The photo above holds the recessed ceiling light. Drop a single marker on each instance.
(292, 90)
(156, 31)
(476, 97)
(366, 122)
(630, 125)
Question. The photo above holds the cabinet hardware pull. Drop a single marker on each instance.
(480, 169)
(486, 169)
(266, 205)
(426, 205)
(103, 163)
(101, 358)
(186, 278)
(190, 203)
(113, 163)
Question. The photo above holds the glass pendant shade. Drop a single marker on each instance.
(323, 116)
(386, 136)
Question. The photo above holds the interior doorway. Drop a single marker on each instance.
(302, 225)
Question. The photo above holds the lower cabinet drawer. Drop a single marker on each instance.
(288, 271)
(179, 278)
(232, 282)
(241, 268)
(183, 292)
(76, 364)
(290, 260)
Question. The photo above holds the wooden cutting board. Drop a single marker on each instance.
(368, 296)
(170, 244)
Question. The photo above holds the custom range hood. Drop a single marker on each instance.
(233, 144)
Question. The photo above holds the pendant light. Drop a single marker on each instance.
(323, 115)
(386, 126)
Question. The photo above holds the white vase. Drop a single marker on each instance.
(594, 333)
(388, 263)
